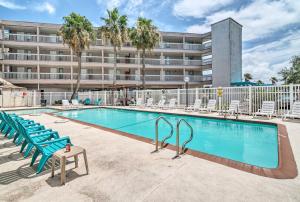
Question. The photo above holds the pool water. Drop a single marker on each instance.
(32, 111)
(247, 142)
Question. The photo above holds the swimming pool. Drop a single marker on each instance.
(247, 142)
(34, 111)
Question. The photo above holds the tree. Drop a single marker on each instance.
(273, 80)
(144, 37)
(247, 77)
(260, 82)
(115, 30)
(291, 74)
(78, 33)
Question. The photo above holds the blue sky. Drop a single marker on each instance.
(271, 28)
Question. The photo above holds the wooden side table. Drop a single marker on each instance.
(62, 156)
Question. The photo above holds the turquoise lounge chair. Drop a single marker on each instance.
(8, 130)
(37, 135)
(87, 101)
(13, 132)
(98, 102)
(46, 148)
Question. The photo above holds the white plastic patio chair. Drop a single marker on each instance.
(267, 109)
(294, 113)
(75, 103)
(171, 104)
(149, 102)
(160, 104)
(233, 107)
(65, 104)
(139, 103)
(195, 107)
(211, 106)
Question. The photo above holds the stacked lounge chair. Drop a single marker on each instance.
(171, 104)
(160, 104)
(267, 109)
(195, 107)
(32, 136)
(211, 106)
(294, 113)
(233, 107)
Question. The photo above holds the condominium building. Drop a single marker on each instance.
(33, 56)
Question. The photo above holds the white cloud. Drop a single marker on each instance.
(11, 5)
(46, 6)
(260, 18)
(266, 60)
(110, 4)
(197, 9)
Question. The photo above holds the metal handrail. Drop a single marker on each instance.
(178, 134)
(156, 132)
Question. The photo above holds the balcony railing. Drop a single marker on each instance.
(100, 77)
(110, 60)
(58, 40)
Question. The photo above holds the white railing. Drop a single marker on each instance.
(20, 56)
(98, 42)
(110, 60)
(250, 98)
(101, 77)
(21, 37)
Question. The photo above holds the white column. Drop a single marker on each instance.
(38, 66)
(250, 99)
(197, 93)
(102, 67)
(178, 97)
(105, 98)
(291, 86)
(71, 78)
(50, 98)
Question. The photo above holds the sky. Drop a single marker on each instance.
(271, 28)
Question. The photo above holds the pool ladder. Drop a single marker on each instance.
(183, 147)
(156, 132)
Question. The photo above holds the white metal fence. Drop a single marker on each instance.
(251, 98)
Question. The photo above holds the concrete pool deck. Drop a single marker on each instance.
(122, 169)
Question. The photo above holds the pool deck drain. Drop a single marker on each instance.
(122, 169)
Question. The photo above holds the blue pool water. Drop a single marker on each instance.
(247, 142)
(32, 111)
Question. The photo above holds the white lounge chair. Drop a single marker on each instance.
(160, 104)
(66, 104)
(139, 102)
(294, 113)
(211, 106)
(149, 102)
(195, 107)
(171, 104)
(75, 103)
(267, 109)
(233, 107)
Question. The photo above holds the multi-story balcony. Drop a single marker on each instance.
(33, 77)
(108, 60)
(99, 42)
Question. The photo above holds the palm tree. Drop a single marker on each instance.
(144, 36)
(259, 82)
(115, 30)
(78, 33)
(247, 77)
(273, 80)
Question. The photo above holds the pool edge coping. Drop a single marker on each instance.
(286, 169)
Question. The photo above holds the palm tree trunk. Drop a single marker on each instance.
(114, 74)
(78, 77)
(143, 69)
